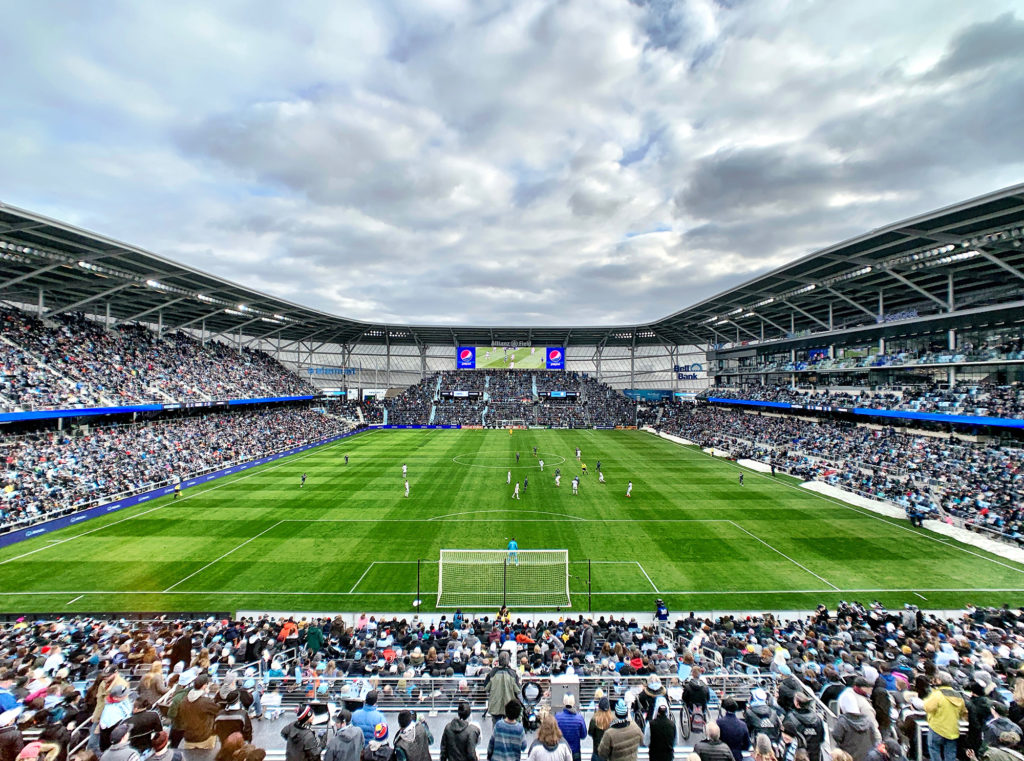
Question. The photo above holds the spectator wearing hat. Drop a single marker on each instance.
(734, 732)
(109, 680)
(377, 749)
(571, 725)
(599, 723)
(119, 749)
(143, 725)
(300, 740)
(944, 707)
(653, 689)
(999, 723)
(792, 744)
(979, 711)
(233, 718)
(197, 713)
(460, 737)
(162, 750)
(347, 742)
(117, 707)
(368, 717)
(761, 718)
(887, 750)
(807, 724)
(507, 741)
(621, 740)
(413, 738)
(1001, 750)
(661, 733)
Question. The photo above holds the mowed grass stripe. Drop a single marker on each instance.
(321, 539)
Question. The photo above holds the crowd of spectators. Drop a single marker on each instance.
(984, 399)
(56, 471)
(457, 380)
(75, 682)
(980, 483)
(606, 407)
(72, 361)
(459, 411)
(561, 414)
(412, 406)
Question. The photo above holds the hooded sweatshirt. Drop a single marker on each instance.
(458, 742)
(855, 734)
(346, 745)
(196, 715)
(414, 741)
(945, 707)
(557, 752)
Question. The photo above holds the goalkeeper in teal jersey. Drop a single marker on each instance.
(513, 551)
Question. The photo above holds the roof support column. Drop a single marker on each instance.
(106, 321)
(42, 302)
(949, 291)
(387, 360)
(160, 323)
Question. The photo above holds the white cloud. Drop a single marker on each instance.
(581, 162)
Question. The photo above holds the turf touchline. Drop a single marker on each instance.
(223, 482)
(858, 510)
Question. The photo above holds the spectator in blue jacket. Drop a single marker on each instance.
(734, 731)
(572, 725)
(368, 717)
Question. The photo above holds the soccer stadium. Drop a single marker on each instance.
(364, 400)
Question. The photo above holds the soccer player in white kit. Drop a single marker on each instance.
(541, 466)
(600, 476)
(515, 494)
(558, 480)
(407, 487)
(405, 470)
(508, 478)
(629, 489)
(576, 485)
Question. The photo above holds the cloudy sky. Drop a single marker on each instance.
(450, 161)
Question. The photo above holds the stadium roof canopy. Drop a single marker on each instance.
(961, 257)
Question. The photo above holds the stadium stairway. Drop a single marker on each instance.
(433, 412)
(385, 420)
(536, 395)
(437, 388)
(483, 415)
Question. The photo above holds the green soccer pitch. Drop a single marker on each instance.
(348, 540)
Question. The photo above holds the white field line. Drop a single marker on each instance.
(787, 557)
(502, 520)
(704, 592)
(868, 513)
(921, 596)
(645, 574)
(362, 577)
(507, 510)
(75, 600)
(223, 482)
(212, 562)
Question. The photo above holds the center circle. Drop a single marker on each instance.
(504, 460)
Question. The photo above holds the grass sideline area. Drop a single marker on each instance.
(349, 538)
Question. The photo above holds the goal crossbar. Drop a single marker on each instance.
(515, 578)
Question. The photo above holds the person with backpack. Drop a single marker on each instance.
(378, 749)
(621, 740)
(944, 707)
(347, 742)
(761, 718)
(502, 685)
(460, 738)
(413, 740)
(808, 725)
(734, 732)
(301, 743)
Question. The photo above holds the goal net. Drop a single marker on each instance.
(515, 423)
(516, 578)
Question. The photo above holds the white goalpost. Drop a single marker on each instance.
(516, 578)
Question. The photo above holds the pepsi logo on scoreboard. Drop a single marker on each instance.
(466, 358)
(555, 358)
